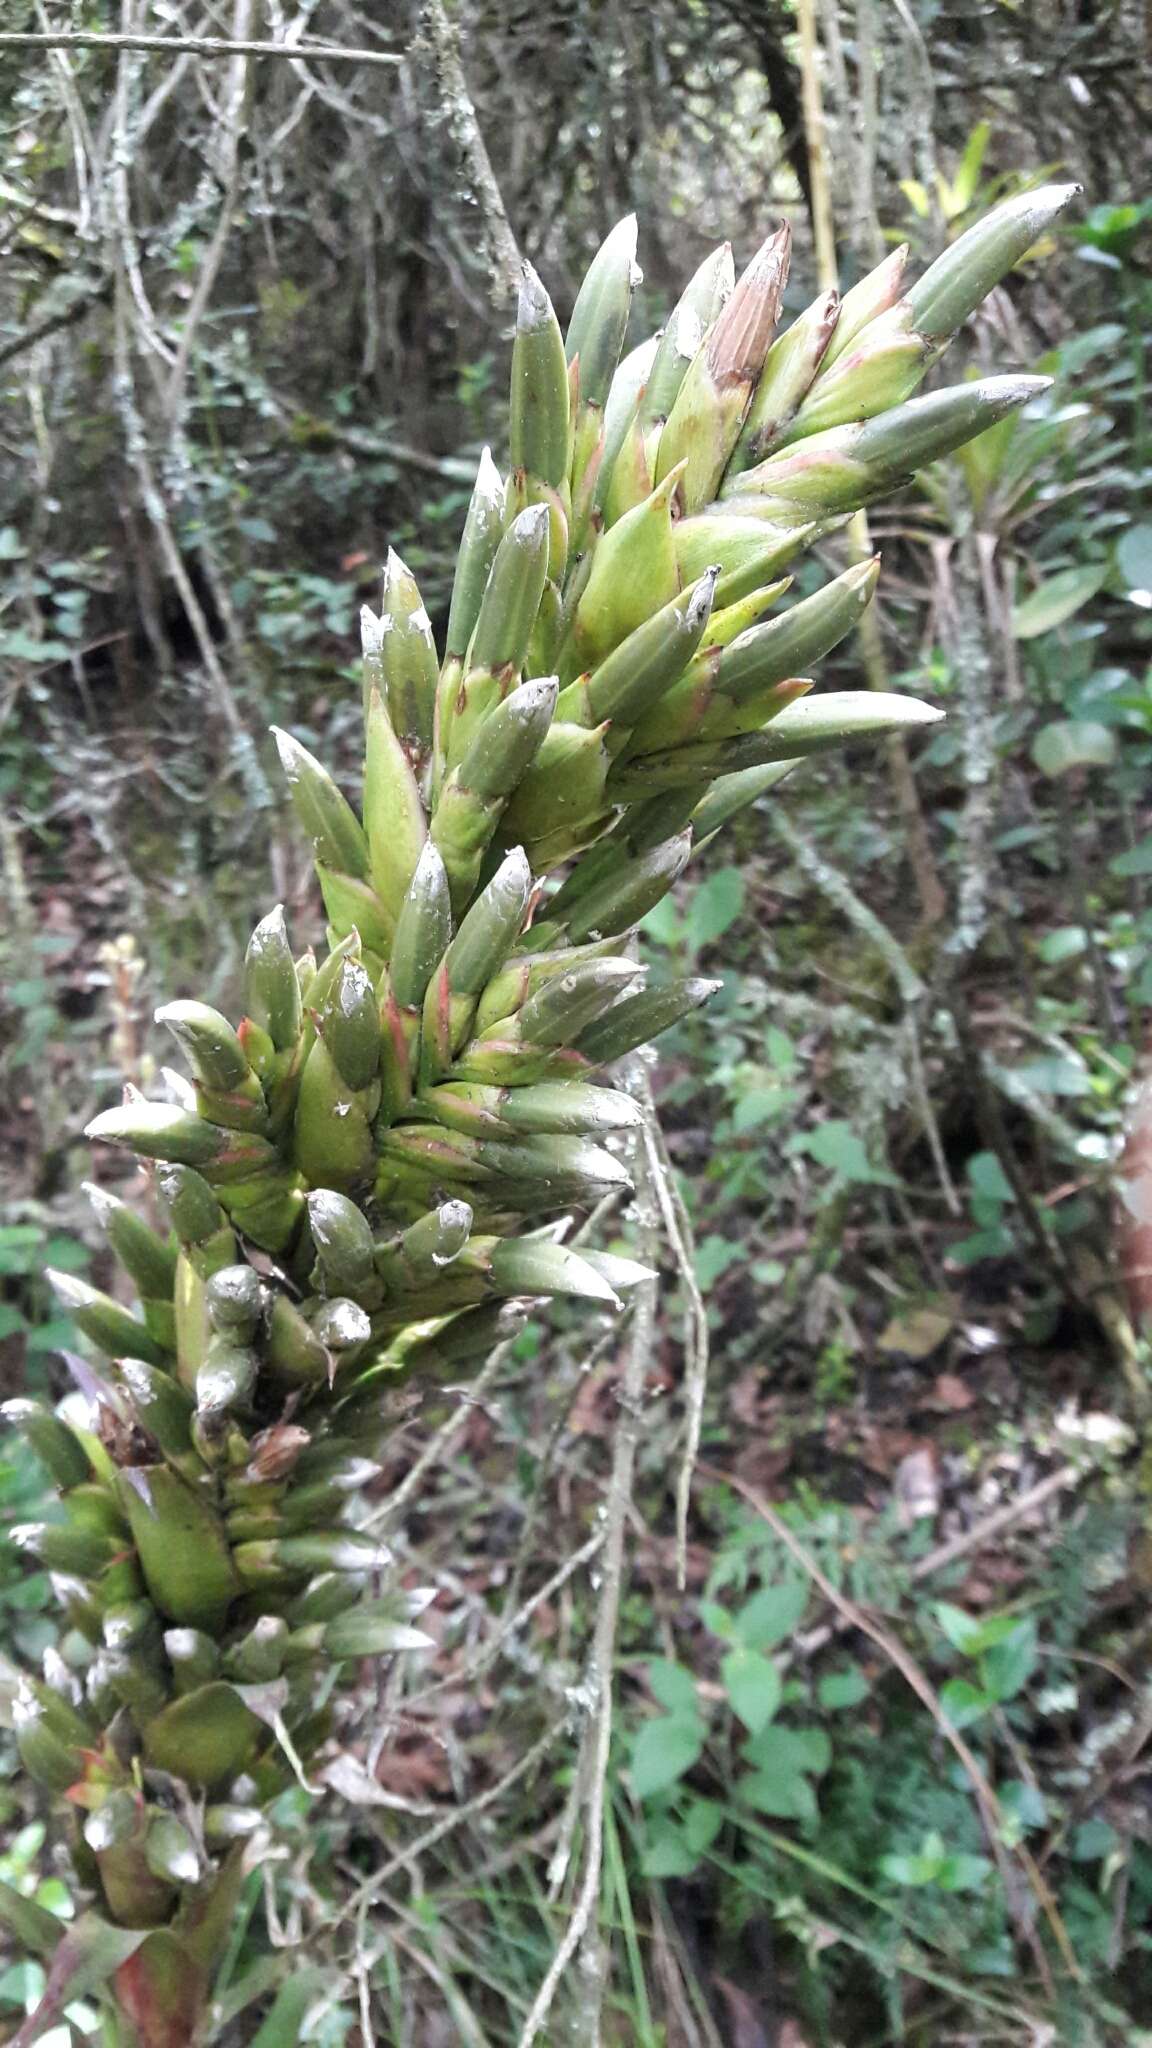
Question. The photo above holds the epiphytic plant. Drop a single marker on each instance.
(356, 1177)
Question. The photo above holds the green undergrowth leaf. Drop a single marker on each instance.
(1068, 743)
(753, 1685)
(1056, 600)
(662, 1751)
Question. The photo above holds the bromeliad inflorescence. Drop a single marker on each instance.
(355, 1180)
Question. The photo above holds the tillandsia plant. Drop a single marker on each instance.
(358, 1178)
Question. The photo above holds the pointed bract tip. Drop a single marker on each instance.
(667, 484)
(531, 695)
(515, 866)
(103, 1202)
(371, 631)
(343, 1323)
(272, 926)
(352, 983)
(66, 1287)
(1055, 198)
(530, 527)
(289, 750)
(455, 1215)
(688, 331)
(533, 306)
(1009, 391)
(725, 272)
(700, 602)
(489, 482)
(619, 244)
(179, 1090)
(772, 248)
(429, 867)
(741, 336)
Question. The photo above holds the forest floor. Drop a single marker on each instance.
(959, 1576)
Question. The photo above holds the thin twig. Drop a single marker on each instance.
(122, 255)
(439, 37)
(869, 636)
(545, 1671)
(229, 175)
(838, 891)
(524, 1551)
(678, 1230)
(965, 635)
(53, 322)
(866, 89)
(816, 138)
(79, 127)
(451, 1821)
(298, 421)
(961, 1545)
(508, 1627)
(440, 1442)
(581, 1935)
(195, 46)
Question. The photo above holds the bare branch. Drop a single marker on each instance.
(581, 1936)
(229, 174)
(55, 321)
(439, 38)
(196, 46)
(456, 1818)
(678, 1230)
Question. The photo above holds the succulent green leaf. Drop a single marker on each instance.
(538, 415)
(271, 987)
(600, 316)
(407, 659)
(953, 286)
(512, 594)
(325, 815)
(483, 529)
(394, 819)
(422, 929)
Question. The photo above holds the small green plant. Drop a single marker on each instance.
(27, 1309)
(957, 199)
(1001, 1647)
(826, 1796)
